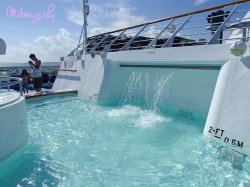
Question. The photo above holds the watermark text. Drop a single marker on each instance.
(35, 16)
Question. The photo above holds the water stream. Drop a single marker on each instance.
(144, 88)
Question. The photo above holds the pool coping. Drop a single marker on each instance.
(48, 93)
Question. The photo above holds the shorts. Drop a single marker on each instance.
(37, 82)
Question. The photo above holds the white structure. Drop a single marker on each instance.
(13, 117)
(14, 130)
(205, 75)
(2, 47)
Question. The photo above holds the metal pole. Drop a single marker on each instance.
(85, 14)
(20, 87)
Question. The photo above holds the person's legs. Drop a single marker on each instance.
(38, 84)
(26, 88)
(35, 83)
(23, 89)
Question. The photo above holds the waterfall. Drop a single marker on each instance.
(161, 90)
(147, 89)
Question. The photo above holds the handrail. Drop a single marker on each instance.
(15, 81)
(71, 70)
(177, 16)
(4, 70)
(106, 42)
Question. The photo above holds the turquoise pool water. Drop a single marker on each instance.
(77, 142)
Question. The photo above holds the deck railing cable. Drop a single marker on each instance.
(173, 31)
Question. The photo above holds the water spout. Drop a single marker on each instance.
(147, 89)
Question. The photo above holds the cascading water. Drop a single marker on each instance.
(147, 89)
(161, 90)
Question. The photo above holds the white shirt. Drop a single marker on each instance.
(36, 72)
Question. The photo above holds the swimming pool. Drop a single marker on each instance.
(77, 142)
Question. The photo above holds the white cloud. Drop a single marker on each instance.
(107, 16)
(200, 2)
(47, 48)
(75, 16)
(153, 31)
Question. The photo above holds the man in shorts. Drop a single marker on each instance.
(37, 75)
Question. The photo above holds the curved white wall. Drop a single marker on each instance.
(228, 118)
(2, 47)
(13, 126)
(87, 78)
(189, 88)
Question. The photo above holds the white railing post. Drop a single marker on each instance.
(127, 45)
(108, 47)
(170, 41)
(216, 35)
(102, 40)
(85, 15)
(153, 42)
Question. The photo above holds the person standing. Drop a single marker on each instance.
(37, 75)
(25, 79)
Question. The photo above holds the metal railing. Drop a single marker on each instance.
(7, 83)
(188, 29)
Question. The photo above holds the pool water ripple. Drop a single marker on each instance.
(78, 142)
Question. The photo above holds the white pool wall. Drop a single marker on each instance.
(190, 88)
(13, 127)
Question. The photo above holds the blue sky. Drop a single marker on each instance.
(58, 34)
